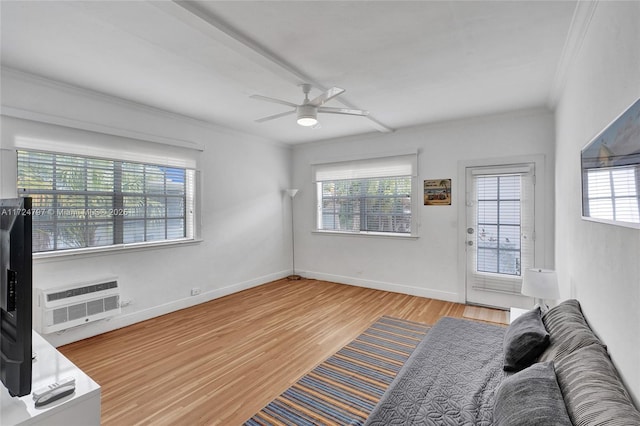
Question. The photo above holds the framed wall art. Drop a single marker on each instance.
(437, 192)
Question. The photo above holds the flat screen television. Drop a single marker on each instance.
(611, 172)
(15, 297)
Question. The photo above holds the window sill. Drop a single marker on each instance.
(367, 234)
(109, 250)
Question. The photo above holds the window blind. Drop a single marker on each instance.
(398, 165)
(366, 196)
(30, 135)
(366, 205)
(81, 202)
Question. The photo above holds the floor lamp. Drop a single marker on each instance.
(292, 193)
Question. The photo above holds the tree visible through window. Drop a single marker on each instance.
(81, 202)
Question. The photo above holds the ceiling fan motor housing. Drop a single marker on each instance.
(307, 115)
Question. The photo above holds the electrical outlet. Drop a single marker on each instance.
(195, 291)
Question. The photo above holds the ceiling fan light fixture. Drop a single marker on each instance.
(307, 121)
(307, 115)
(307, 112)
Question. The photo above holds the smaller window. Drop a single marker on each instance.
(366, 205)
(366, 196)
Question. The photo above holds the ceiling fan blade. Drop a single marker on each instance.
(273, 117)
(277, 101)
(346, 111)
(326, 96)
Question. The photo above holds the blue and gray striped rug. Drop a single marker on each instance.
(344, 389)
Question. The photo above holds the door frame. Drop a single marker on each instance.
(543, 214)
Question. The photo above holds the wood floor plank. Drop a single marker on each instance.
(220, 362)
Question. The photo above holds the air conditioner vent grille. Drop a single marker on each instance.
(78, 291)
(95, 307)
(60, 315)
(111, 303)
(77, 311)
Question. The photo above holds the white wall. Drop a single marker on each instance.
(245, 215)
(599, 264)
(428, 265)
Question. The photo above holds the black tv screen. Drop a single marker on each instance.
(15, 296)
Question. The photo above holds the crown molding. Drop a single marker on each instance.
(34, 79)
(580, 22)
(8, 111)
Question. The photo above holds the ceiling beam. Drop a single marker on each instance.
(193, 14)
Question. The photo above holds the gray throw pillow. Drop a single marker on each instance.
(525, 339)
(568, 331)
(593, 391)
(530, 398)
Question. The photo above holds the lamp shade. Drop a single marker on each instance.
(540, 283)
(292, 192)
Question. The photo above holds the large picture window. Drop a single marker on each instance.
(81, 202)
(366, 196)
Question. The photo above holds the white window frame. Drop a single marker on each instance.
(391, 166)
(114, 214)
(73, 138)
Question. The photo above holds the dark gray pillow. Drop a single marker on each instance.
(530, 397)
(525, 339)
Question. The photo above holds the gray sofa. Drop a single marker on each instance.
(559, 374)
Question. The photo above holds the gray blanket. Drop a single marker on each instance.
(448, 380)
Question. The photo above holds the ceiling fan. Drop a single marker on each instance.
(307, 112)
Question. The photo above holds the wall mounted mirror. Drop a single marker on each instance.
(611, 172)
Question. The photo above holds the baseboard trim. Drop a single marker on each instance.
(126, 319)
(385, 286)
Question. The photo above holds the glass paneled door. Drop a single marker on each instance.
(500, 237)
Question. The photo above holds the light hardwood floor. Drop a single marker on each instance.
(222, 361)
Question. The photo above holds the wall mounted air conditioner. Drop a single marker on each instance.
(65, 307)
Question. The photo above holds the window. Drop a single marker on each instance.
(612, 193)
(81, 202)
(366, 196)
(370, 205)
(498, 216)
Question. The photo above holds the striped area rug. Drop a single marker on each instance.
(344, 389)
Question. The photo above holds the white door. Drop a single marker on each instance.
(500, 237)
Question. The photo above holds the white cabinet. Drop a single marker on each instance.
(80, 408)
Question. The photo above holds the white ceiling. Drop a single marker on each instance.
(408, 63)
